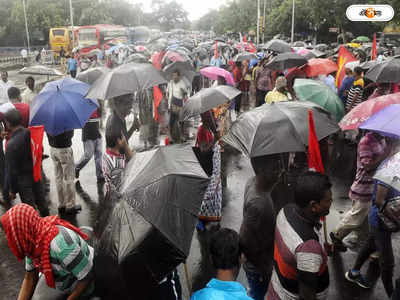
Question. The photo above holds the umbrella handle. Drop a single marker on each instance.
(188, 282)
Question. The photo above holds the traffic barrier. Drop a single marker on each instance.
(15, 59)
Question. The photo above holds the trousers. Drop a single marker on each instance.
(92, 147)
(64, 169)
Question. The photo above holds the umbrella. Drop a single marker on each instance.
(385, 121)
(62, 106)
(352, 64)
(368, 64)
(303, 51)
(314, 53)
(185, 69)
(137, 58)
(278, 128)
(388, 71)
(150, 230)
(362, 39)
(40, 70)
(244, 56)
(388, 171)
(320, 66)
(278, 46)
(319, 93)
(253, 62)
(366, 109)
(285, 61)
(94, 52)
(214, 72)
(91, 75)
(353, 45)
(207, 99)
(125, 79)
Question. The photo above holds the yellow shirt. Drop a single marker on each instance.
(275, 96)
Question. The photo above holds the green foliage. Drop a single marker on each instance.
(167, 16)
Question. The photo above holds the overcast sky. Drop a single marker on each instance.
(195, 8)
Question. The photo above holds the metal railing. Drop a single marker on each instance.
(15, 59)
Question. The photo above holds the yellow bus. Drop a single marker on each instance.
(61, 37)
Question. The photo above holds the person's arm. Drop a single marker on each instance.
(79, 289)
(28, 285)
(127, 150)
(135, 126)
(381, 192)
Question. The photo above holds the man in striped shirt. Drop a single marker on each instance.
(356, 93)
(300, 260)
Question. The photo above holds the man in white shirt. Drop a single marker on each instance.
(29, 94)
(24, 54)
(177, 91)
(5, 84)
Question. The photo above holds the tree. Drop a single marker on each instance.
(167, 15)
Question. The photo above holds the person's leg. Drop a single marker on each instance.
(98, 158)
(58, 173)
(258, 286)
(396, 292)
(89, 149)
(383, 242)
(68, 169)
(40, 199)
(25, 190)
(238, 102)
(368, 248)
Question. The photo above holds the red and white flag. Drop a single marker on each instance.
(37, 133)
(314, 154)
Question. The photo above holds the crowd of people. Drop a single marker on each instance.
(280, 247)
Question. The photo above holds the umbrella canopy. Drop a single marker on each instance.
(91, 75)
(366, 109)
(303, 51)
(314, 53)
(207, 99)
(285, 61)
(150, 231)
(320, 66)
(214, 72)
(319, 93)
(61, 106)
(388, 71)
(368, 64)
(242, 56)
(388, 171)
(278, 128)
(362, 39)
(385, 121)
(125, 79)
(278, 46)
(137, 58)
(184, 67)
(40, 70)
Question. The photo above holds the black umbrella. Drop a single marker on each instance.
(388, 71)
(91, 75)
(278, 128)
(286, 60)
(150, 231)
(242, 56)
(207, 99)
(314, 53)
(125, 79)
(278, 46)
(184, 67)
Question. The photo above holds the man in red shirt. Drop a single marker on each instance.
(238, 78)
(14, 94)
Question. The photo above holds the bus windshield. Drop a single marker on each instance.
(58, 32)
(87, 36)
(112, 33)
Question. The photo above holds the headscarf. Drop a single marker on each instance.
(30, 235)
(204, 135)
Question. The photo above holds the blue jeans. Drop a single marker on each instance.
(258, 285)
(92, 147)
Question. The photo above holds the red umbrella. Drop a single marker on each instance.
(320, 66)
(364, 110)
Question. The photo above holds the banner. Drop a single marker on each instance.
(374, 52)
(344, 56)
(314, 154)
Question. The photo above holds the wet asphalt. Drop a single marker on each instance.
(89, 194)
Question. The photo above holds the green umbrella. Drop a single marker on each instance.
(362, 38)
(319, 93)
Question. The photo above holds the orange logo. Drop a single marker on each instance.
(370, 13)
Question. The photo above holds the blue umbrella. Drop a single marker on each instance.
(253, 62)
(62, 106)
(385, 121)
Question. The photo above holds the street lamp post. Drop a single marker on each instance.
(263, 38)
(292, 36)
(258, 22)
(71, 14)
(26, 26)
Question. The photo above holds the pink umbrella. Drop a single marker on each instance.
(303, 51)
(173, 56)
(214, 72)
(364, 110)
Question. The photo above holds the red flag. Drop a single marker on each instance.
(37, 133)
(244, 39)
(374, 52)
(314, 154)
(157, 96)
(253, 48)
(344, 56)
(156, 59)
(216, 49)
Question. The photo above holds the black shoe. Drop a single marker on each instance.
(61, 210)
(357, 279)
(77, 173)
(73, 210)
(45, 156)
(337, 243)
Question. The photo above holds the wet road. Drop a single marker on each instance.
(11, 271)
